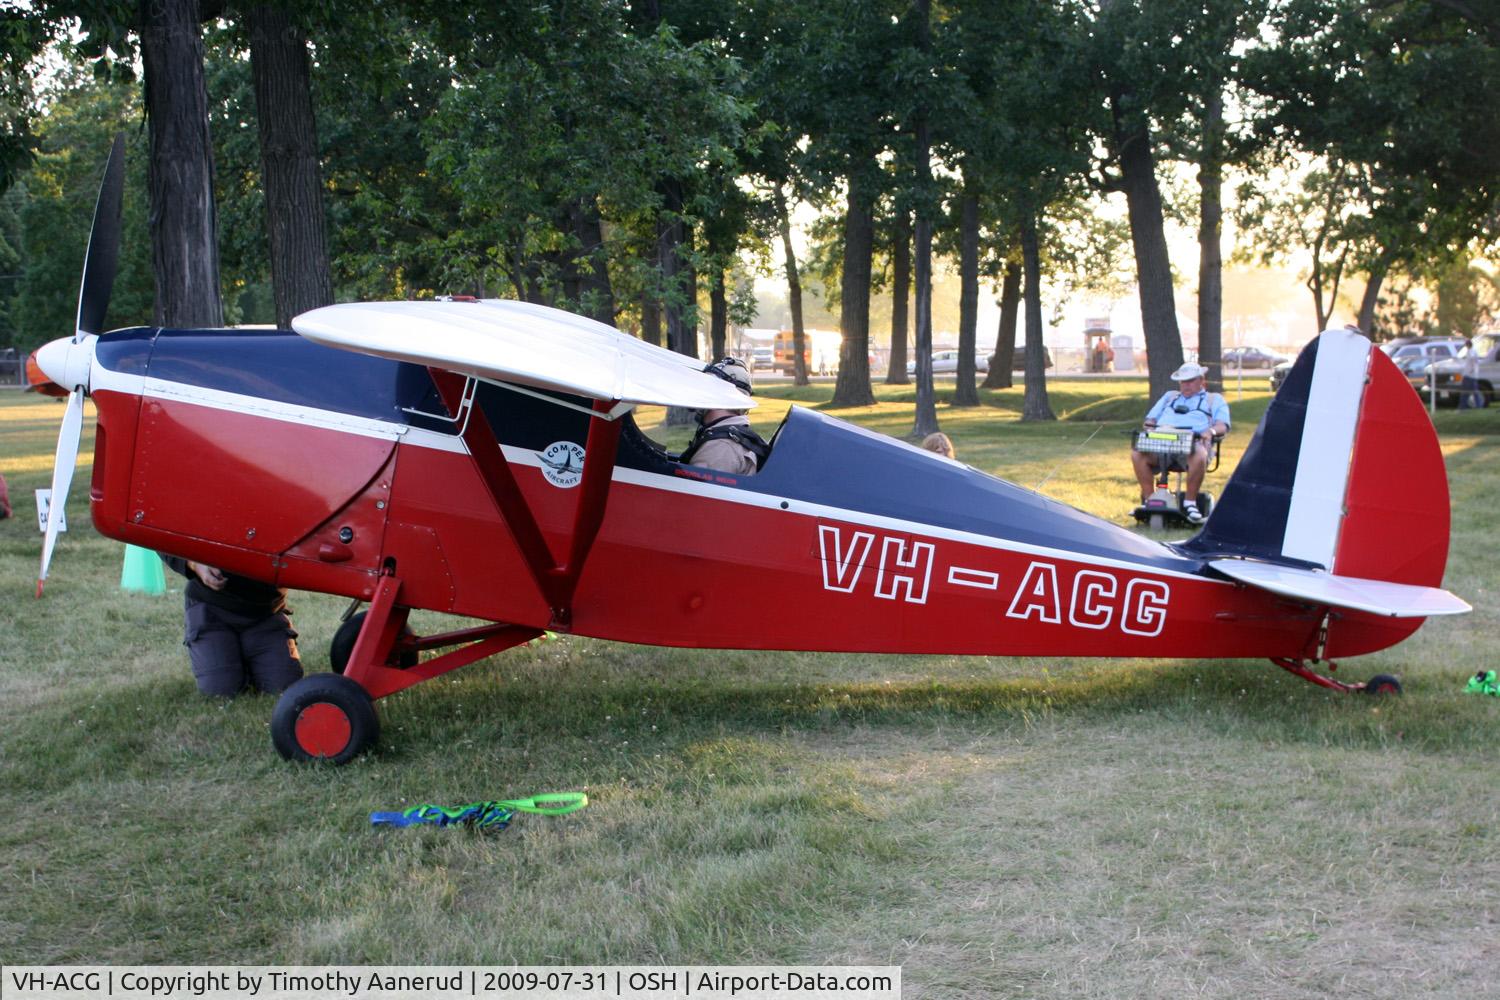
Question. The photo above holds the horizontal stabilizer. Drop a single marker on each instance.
(1378, 597)
(524, 344)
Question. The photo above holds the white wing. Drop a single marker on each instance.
(524, 344)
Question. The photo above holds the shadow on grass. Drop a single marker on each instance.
(1240, 699)
(147, 730)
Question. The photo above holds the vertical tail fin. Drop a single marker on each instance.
(1344, 474)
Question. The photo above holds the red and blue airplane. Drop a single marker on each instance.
(480, 458)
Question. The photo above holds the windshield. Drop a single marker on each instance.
(1485, 343)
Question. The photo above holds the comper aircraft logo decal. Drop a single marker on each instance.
(562, 464)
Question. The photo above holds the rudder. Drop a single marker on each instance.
(1344, 473)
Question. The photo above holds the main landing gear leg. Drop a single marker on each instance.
(1379, 684)
(332, 717)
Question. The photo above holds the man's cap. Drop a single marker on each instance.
(733, 371)
(1188, 371)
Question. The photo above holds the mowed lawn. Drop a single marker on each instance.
(997, 827)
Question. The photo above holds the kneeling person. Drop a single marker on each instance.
(724, 440)
(1188, 407)
(238, 632)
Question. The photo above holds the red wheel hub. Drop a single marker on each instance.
(322, 730)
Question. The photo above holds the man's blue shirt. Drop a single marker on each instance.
(1197, 412)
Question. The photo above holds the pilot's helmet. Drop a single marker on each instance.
(733, 371)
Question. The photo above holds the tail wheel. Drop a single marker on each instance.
(324, 717)
(342, 645)
(1382, 684)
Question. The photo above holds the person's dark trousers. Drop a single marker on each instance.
(1470, 396)
(231, 652)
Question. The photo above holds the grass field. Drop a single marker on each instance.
(997, 827)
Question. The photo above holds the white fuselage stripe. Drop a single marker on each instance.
(1316, 511)
(415, 437)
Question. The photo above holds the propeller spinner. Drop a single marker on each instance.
(67, 361)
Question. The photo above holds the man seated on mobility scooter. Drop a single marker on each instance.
(1182, 432)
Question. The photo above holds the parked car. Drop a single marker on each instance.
(763, 358)
(1418, 371)
(1449, 373)
(1018, 362)
(1415, 355)
(1412, 355)
(1252, 357)
(946, 363)
(1430, 348)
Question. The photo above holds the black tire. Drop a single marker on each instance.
(342, 645)
(1382, 684)
(324, 717)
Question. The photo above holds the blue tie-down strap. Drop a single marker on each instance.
(482, 815)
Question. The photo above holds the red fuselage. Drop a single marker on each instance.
(903, 552)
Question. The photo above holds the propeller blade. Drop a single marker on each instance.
(103, 254)
(67, 364)
(62, 477)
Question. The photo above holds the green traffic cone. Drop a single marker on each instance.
(142, 572)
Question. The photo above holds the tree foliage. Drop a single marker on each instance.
(1396, 98)
(623, 158)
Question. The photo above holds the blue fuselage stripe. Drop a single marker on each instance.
(1250, 518)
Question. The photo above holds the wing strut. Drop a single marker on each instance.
(557, 581)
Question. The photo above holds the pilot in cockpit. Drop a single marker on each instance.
(724, 440)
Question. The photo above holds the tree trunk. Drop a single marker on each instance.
(1327, 277)
(531, 281)
(1371, 299)
(926, 421)
(1035, 406)
(1210, 231)
(650, 320)
(296, 228)
(853, 386)
(794, 290)
(568, 273)
(1004, 360)
(595, 295)
(718, 315)
(679, 284)
(184, 228)
(1153, 267)
(900, 292)
(964, 392)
